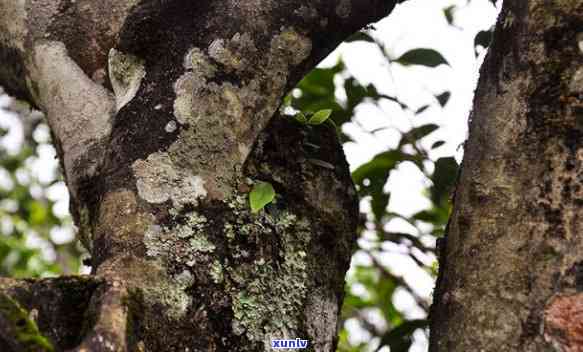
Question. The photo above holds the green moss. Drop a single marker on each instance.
(25, 329)
(85, 234)
(125, 74)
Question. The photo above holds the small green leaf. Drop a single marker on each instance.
(261, 195)
(301, 118)
(443, 98)
(422, 56)
(421, 109)
(417, 133)
(444, 178)
(448, 13)
(437, 144)
(287, 100)
(483, 39)
(320, 116)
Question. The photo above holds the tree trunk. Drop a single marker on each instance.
(511, 268)
(164, 114)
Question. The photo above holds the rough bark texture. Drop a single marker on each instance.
(164, 114)
(511, 268)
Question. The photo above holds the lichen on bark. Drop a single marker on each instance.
(125, 74)
(156, 109)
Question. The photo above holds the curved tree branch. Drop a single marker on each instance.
(164, 114)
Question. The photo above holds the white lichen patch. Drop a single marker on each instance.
(152, 240)
(576, 84)
(222, 119)
(197, 61)
(344, 8)
(217, 50)
(198, 70)
(244, 151)
(195, 186)
(234, 53)
(183, 104)
(217, 272)
(185, 278)
(125, 74)
(180, 243)
(169, 291)
(78, 109)
(199, 243)
(292, 46)
(159, 180)
(170, 126)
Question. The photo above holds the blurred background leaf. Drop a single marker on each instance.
(36, 233)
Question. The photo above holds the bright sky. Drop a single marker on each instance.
(416, 23)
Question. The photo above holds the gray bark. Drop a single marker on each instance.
(511, 265)
(164, 113)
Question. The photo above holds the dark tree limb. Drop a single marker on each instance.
(510, 268)
(164, 115)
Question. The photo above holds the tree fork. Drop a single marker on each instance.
(164, 114)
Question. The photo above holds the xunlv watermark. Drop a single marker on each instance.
(297, 343)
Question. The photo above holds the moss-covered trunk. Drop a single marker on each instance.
(511, 265)
(164, 115)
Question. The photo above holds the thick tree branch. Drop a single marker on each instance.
(510, 268)
(164, 114)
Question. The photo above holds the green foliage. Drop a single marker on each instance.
(423, 57)
(25, 329)
(399, 339)
(483, 39)
(448, 13)
(317, 93)
(301, 118)
(316, 118)
(320, 117)
(443, 98)
(417, 133)
(27, 214)
(261, 195)
(372, 176)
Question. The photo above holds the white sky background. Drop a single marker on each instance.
(414, 24)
